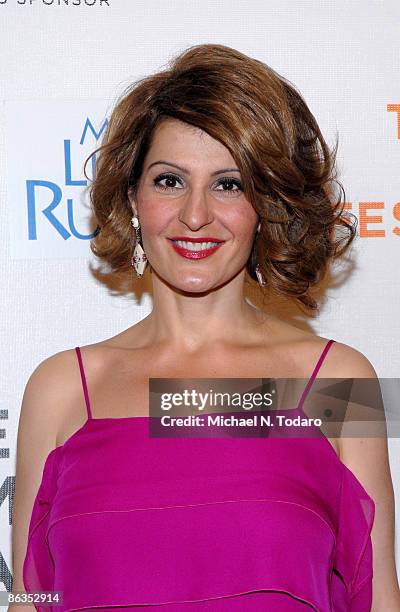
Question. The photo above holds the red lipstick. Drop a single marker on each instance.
(198, 254)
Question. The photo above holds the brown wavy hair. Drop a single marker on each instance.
(288, 171)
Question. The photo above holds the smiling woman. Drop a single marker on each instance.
(272, 157)
(210, 170)
(206, 193)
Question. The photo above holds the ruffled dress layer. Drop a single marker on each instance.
(123, 519)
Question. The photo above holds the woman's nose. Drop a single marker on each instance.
(196, 210)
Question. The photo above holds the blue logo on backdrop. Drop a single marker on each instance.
(34, 190)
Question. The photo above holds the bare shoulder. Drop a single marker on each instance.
(43, 391)
(366, 456)
(346, 361)
(50, 394)
(342, 359)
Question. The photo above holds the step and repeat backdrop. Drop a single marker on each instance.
(64, 64)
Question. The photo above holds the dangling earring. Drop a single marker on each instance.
(260, 277)
(139, 259)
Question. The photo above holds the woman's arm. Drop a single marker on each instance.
(41, 410)
(368, 459)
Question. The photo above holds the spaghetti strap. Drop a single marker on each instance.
(314, 374)
(84, 384)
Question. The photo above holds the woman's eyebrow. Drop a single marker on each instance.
(186, 171)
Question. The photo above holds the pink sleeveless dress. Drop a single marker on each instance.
(125, 520)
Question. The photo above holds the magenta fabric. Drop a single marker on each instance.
(121, 519)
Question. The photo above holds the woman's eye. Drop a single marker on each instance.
(170, 181)
(230, 185)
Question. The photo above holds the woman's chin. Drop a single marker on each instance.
(195, 286)
(191, 284)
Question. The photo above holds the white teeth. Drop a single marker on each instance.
(195, 246)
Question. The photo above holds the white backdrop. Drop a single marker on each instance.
(63, 64)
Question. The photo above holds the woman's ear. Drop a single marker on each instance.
(132, 201)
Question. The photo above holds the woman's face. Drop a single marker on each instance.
(191, 189)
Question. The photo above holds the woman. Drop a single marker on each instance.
(210, 168)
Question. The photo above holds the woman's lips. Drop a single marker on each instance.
(201, 254)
